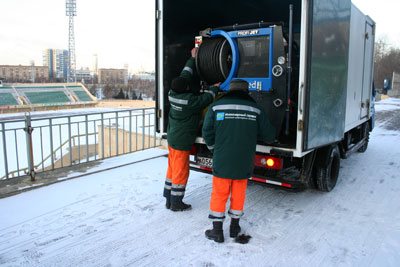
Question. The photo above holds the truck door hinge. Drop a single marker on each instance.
(300, 125)
(158, 14)
(159, 114)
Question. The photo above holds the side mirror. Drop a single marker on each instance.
(387, 84)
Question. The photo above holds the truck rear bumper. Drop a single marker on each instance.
(268, 181)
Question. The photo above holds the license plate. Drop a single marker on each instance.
(203, 161)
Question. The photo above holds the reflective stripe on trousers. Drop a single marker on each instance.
(216, 216)
(178, 190)
(221, 190)
(178, 168)
(168, 184)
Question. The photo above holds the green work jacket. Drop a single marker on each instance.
(231, 128)
(185, 112)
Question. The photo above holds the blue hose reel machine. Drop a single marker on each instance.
(255, 53)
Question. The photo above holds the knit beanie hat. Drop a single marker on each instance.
(180, 85)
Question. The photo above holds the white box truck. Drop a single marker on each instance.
(309, 64)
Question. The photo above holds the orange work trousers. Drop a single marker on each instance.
(178, 166)
(222, 188)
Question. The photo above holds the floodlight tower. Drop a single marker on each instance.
(71, 13)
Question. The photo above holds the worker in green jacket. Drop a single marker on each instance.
(183, 125)
(231, 128)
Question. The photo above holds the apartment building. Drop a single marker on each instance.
(112, 76)
(57, 61)
(24, 74)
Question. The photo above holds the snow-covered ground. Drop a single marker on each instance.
(117, 217)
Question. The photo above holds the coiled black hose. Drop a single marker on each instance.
(214, 60)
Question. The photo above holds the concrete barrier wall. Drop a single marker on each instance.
(18, 109)
(127, 142)
(111, 103)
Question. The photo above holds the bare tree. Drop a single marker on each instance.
(387, 61)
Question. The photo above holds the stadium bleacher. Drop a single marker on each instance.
(34, 95)
(7, 99)
(80, 93)
(47, 97)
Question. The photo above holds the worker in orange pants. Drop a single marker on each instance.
(222, 188)
(177, 178)
(186, 106)
(231, 128)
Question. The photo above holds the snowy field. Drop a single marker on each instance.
(117, 217)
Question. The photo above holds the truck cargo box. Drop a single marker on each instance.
(327, 45)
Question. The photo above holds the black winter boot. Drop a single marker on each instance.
(234, 228)
(216, 234)
(178, 205)
(167, 195)
(168, 203)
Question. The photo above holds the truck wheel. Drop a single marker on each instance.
(366, 135)
(327, 174)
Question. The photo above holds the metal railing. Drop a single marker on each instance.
(35, 145)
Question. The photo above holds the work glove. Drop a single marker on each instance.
(194, 52)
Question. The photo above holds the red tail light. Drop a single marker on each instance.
(268, 162)
(193, 151)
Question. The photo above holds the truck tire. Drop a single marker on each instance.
(326, 174)
(366, 136)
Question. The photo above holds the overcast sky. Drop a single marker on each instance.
(118, 31)
(386, 14)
